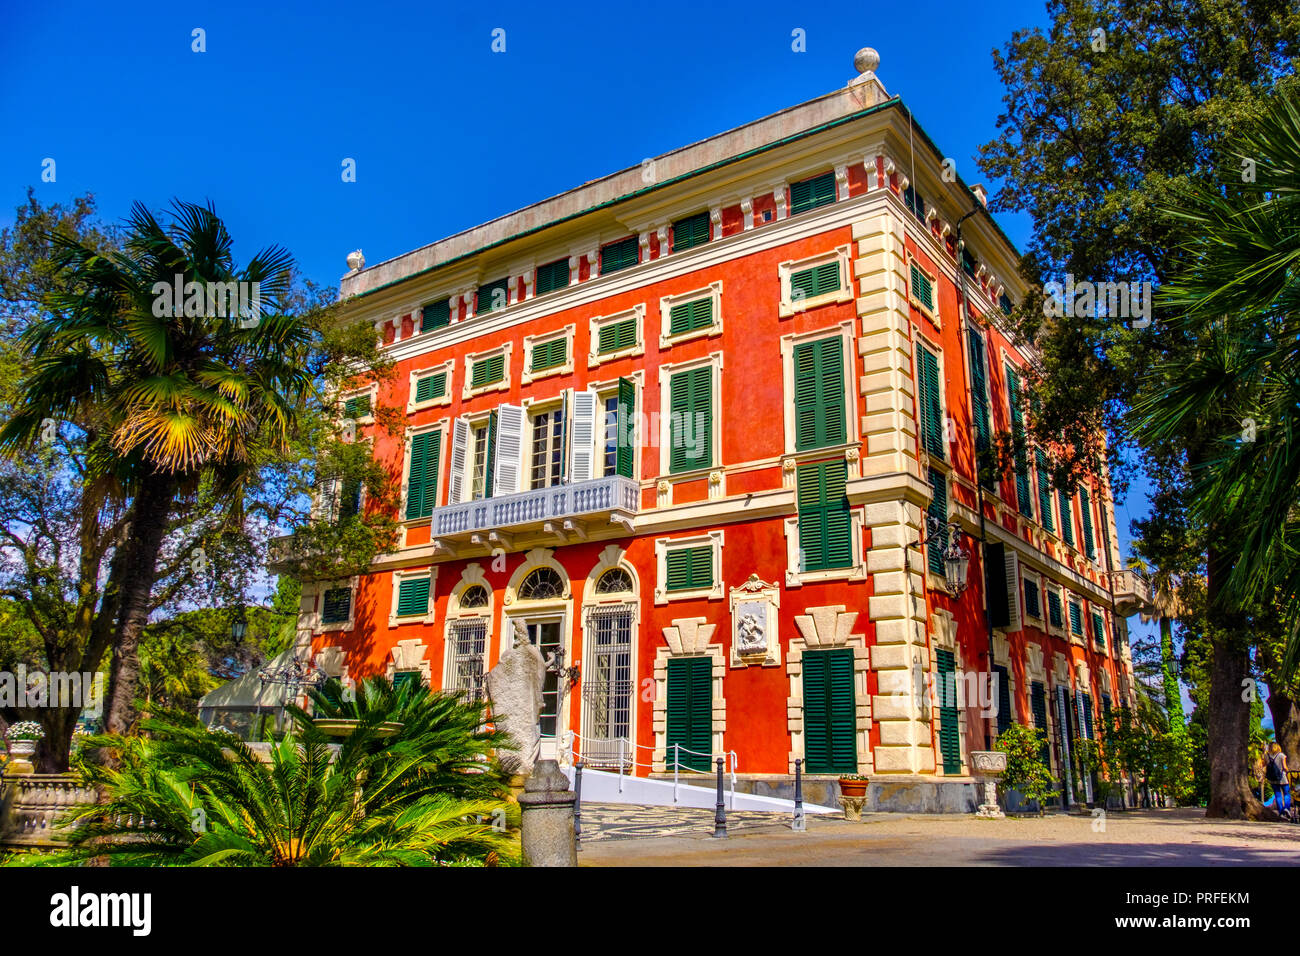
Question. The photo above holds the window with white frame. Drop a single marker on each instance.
(690, 315)
(618, 335)
(815, 281)
(487, 371)
(548, 353)
(412, 596)
(690, 431)
(689, 567)
(922, 289)
(430, 387)
(466, 653)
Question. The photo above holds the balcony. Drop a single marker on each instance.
(1132, 592)
(602, 507)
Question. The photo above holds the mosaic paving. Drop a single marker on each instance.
(609, 821)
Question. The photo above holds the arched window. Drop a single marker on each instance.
(475, 596)
(614, 581)
(542, 584)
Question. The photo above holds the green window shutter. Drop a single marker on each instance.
(350, 499)
(625, 444)
(1038, 704)
(1004, 698)
(922, 286)
(691, 420)
(1086, 705)
(931, 401)
(358, 406)
(413, 597)
(429, 387)
(825, 533)
(939, 510)
(1076, 619)
(980, 400)
(812, 193)
(829, 712)
(1024, 500)
(819, 417)
(689, 569)
(410, 679)
(1098, 629)
(488, 370)
(1067, 517)
(336, 606)
(1054, 609)
(1032, 606)
(689, 316)
(967, 262)
(550, 354)
(552, 276)
(949, 739)
(616, 336)
(690, 232)
(435, 315)
(422, 482)
(915, 202)
(814, 281)
(493, 296)
(1085, 508)
(690, 712)
(1044, 492)
(619, 255)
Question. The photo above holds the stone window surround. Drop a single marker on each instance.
(687, 637)
(400, 575)
(857, 571)
(372, 389)
(596, 322)
(612, 556)
(922, 341)
(319, 588)
(541, 338)
(945, 638)
(788, 342)
(666, 373)
(823, 628)
(471, 576)
(444, 453)
(471, 358)
(931, 314)
(561, 609)
(447, 367)
(842, 254)
(715, 539)
(712, 291)
(410, 654)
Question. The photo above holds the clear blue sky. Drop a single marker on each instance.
(445, 133)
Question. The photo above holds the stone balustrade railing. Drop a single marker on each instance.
(31, 806)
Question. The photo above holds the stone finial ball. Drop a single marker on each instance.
(356, 260)
(866, 60)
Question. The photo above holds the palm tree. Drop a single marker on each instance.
(1164, 608)
(189, 796)
(173, 402)
(1234, 292)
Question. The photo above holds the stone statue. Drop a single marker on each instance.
(751, 636)
(514, 688)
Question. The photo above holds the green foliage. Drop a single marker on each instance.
(188, 796)
(1026, 772)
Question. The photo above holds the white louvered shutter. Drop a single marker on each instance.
(459, 448)
(509, 451)
(582, 451)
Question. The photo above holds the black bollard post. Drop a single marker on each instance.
(720, 814)
(799, 823)
(577, 801)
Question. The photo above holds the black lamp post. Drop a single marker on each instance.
(956, 558)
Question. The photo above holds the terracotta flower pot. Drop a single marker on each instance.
(853, 788)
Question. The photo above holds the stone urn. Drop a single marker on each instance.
(20, 756)
(987, 766)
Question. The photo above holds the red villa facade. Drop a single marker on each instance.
(683, 424)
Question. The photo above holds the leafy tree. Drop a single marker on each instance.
(187, 796)
(180, 445)
(1100, 132)
(1026, 772)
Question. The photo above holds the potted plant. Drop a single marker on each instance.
(22, 738)
(853, 785)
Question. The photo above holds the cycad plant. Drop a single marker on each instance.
(184, 795)
(448, 730)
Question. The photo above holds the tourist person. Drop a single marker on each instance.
(1279, 780)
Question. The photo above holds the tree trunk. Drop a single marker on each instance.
(1228, 724)
(1168, 669)
(56, 746)
(152, 507)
